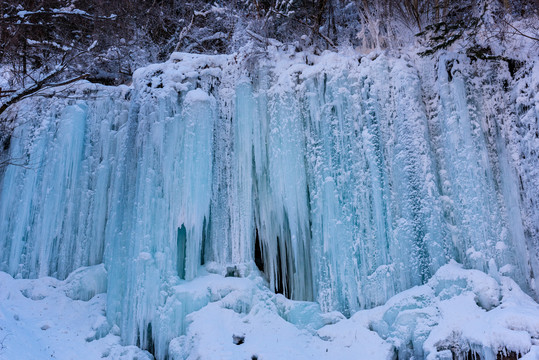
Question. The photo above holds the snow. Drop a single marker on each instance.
(40, 320)
(456, 311)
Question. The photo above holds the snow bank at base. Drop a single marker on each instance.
(456, 313)
(44, 319)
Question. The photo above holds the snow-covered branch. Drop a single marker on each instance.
(23, 14)
(44, 82)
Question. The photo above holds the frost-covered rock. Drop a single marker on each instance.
(85, 283)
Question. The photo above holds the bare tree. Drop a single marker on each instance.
(44, 46)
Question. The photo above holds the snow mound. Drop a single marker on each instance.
(84, 283)
(458, 312)
(51, 319)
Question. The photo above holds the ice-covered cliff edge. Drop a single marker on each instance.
(345, 180)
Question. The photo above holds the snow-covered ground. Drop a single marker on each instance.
(51, 319)
(457, 311)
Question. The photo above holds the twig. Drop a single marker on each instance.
(520, 32)
(6, 163)
(183, 33)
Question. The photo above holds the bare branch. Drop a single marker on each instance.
(14, 162)
(518, 32)
(37, 86)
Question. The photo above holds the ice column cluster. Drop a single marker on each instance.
(346, 181)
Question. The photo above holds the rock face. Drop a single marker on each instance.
(346, 181)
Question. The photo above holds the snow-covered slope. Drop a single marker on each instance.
(50, 319)
(458, 313)
(346, 180)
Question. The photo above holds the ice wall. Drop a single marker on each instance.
(54, 205)
(347, 180)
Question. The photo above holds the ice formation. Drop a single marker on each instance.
(345, 180)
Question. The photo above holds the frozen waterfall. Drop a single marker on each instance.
(344, 180)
